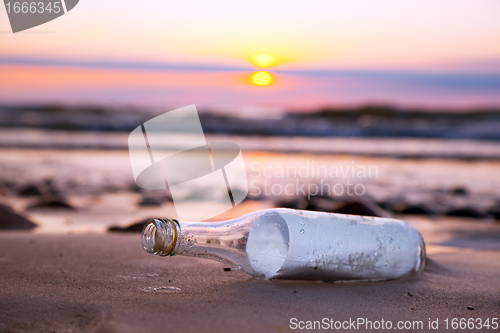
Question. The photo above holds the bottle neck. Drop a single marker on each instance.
(161, 236)
(222, 241)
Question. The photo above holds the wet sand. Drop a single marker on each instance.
(107, 283)
(95, 179)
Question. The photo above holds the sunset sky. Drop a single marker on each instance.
(434, 53)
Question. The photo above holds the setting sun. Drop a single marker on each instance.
(262, 78)
(264, 60)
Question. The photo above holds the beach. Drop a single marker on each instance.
(108, 283)
(71, 273)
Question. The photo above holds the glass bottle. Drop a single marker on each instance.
(295, 244)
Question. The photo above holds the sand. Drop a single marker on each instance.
(108, 283)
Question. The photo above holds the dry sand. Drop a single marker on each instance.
(107, 283)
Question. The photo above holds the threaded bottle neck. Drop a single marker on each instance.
(161, 236)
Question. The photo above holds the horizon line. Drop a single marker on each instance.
(120, 64)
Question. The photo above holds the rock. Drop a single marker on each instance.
(459, 191)
(315, 203)
(494, 212)
(294, 203)
(30, 190)
(361, 208)
(386, 205)
(416, 210)
(10, 220)
(51, 202)
(465, 212)
(470, 307)
(150, 201)
(134, 188)
(42, 188)
(227, 269)
(134, 227)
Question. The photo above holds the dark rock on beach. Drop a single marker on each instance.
(325, 204)
(459, 191)
(494, 212)
(361, 208)
(416, 210)
(42, 188)
(10, 220)
(386, 205)
(134, 227)
(466, 212)
(150, 201)
(51, 202)
(30, 190)
(295, 203)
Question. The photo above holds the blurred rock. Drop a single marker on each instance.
(10, 220)
(52, 202)
(293, 203)
(361, 208)
(42, 188)
(386, 205)
(416, 210)
(30, 190)
(150, 201)
(134, 188)
(465, 212)
(460, 191)
(326, 204)
(134, 227)
(494, 212)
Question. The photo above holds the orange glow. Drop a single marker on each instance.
(20, 78)
(262, 78)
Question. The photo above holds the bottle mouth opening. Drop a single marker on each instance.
(159, 236)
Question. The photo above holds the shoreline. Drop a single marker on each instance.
(383, 147)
